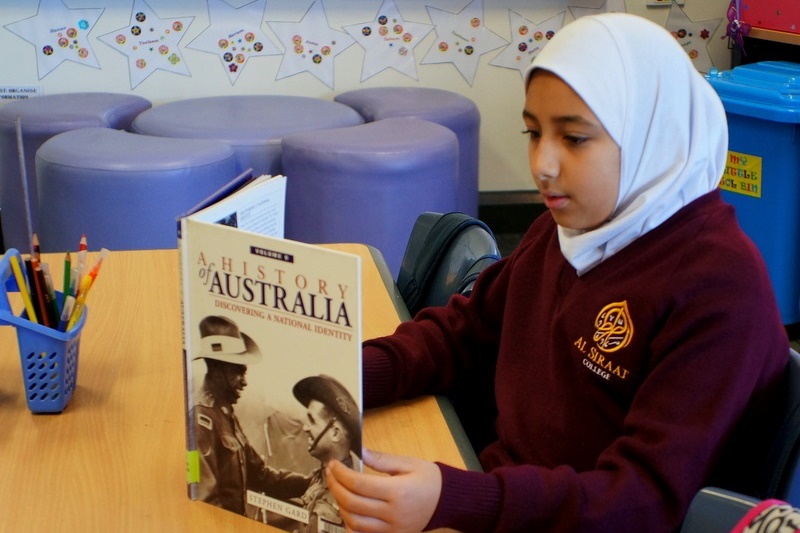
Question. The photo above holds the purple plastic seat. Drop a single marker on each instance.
(40, 119)
(447, 108)
(123, 190)
(252, 125)
(369, 183)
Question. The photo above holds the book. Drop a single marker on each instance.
(272, 359)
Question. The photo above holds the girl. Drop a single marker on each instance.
(633, 332)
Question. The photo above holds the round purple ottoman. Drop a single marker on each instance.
(252, 125)
(41, 118)
(123, 190)
(369, 183)
(447, 108)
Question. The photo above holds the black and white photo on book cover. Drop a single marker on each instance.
(272, 356)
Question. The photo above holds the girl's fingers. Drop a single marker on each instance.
(351, 488)
(387, 463)
(368, 486)
(364, 524)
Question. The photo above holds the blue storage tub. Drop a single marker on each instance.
(762, 175)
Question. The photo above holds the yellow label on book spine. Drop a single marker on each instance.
(192, 466)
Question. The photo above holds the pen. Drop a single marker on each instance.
(83, 291)
(82, 250)
(66, 312)
(73, 282)
(23, 289)
(66, 286)
(51, 293)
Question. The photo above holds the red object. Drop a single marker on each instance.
(781, 15)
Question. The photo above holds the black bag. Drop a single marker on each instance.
(444, 255)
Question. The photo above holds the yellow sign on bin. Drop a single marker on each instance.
(742, 174)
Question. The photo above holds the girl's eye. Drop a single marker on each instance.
(575, 140)
(534, 134)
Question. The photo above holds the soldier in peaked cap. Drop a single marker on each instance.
(228, 463)
(333, 426)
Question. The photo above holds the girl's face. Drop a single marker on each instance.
(574, 161)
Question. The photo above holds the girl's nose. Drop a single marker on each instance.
(543, 160)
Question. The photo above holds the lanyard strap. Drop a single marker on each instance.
(737, 29)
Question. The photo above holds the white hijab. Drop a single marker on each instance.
(666, 118)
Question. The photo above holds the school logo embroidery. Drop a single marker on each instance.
(614, 327)
(613, 331)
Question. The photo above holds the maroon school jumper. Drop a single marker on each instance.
(616, 390)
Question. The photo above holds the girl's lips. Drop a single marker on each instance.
(555, 201)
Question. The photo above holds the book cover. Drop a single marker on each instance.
(272, 360)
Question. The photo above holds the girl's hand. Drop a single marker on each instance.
(402, 502)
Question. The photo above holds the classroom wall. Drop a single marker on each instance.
(496, 90)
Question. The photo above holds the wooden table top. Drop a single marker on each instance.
(114, 460)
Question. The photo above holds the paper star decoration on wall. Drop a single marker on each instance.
(235, 36)
(59, 34)
(388, 41)
(693, 36)
(310, 45)
(527, 40)
(150, 42)
(609, 6)
(462, 38)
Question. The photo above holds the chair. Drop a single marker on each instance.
(783, 466)
(124, 190)
(253, 125)
(716, 509)
(40, 119)
(448, 108)
(444, 255)
(367, 183)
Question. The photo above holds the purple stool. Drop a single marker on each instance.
(369, 183)
(124, 190)
(40, 119)
(447, 108)
(252, 125)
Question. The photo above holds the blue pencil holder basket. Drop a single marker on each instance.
(49, 357)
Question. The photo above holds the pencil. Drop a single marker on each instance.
(45, 307)
(23, 289)
(34, 291)
(36, 250)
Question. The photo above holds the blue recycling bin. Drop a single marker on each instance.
(762, 175)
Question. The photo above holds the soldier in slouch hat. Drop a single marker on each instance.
(333, 425)
(229, 465)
